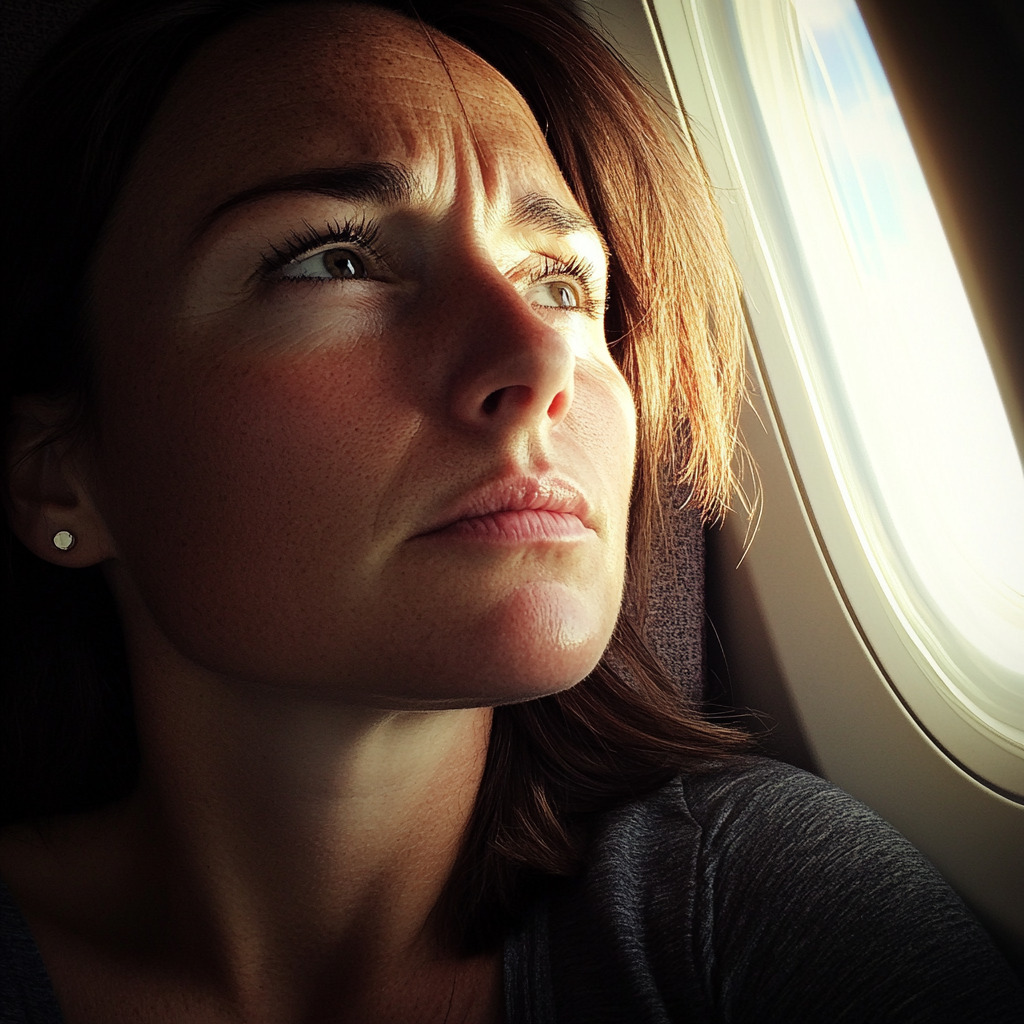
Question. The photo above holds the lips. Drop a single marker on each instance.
(519, 509)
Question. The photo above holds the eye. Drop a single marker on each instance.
(554, 294)
(339, 264)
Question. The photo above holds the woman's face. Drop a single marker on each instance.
(359, 428)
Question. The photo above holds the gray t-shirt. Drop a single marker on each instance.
(755, 894)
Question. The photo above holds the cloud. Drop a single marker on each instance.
(826, 15)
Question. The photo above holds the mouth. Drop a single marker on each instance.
(519, 510)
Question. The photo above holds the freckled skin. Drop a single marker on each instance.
(269, 452)
(266, 457)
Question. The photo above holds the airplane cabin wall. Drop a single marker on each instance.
(781, 638)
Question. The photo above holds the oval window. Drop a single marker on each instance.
(929, 470)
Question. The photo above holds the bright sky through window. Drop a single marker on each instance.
(888, 354)
(924, 417)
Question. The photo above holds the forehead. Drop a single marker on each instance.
(322, 85)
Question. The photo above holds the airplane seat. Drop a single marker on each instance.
(675, 617)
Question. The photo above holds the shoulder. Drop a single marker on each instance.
(758, 832)
(752, 821)
(756, 891)
(770, 814)
(751, 792)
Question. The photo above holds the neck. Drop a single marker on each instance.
(302, 838)
(295, 803)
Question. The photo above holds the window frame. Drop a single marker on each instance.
(793, 647)
(702, 41)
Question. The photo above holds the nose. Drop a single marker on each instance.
(512, 368)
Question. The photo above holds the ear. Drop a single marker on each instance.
(49, 490)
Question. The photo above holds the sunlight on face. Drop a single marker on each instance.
(360, 429)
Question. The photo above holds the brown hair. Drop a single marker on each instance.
(674, 326)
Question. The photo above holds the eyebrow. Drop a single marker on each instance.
(382, 184)
(388, 184)
(549, 215)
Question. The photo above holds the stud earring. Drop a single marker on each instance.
(64, 540)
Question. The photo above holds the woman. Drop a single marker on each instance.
(357, 373)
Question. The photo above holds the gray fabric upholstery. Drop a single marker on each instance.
(675, 619)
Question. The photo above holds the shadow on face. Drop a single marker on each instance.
(359, 430)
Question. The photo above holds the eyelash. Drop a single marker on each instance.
(362, 235)
(581, 271)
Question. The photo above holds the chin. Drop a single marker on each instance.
(536, 643)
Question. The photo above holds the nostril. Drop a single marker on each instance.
(519, 397)
(515, 396)
(559, 404)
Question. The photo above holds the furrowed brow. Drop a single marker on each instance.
(382, 184)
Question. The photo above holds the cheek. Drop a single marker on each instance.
(603, 420)
(230, 482)
(257, 503)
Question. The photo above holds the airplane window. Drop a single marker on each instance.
(910, 401)
(882, 340)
